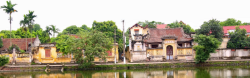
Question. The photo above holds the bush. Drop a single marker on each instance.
(3, 60)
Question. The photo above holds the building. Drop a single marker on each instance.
(19, 57)
(161, 44)
(111, 55)
(227, 29)
(47, 53)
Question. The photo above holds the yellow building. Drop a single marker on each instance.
(47, 54)
(111, 55)
(160, 43)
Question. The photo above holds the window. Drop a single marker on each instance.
(136, 31)
(154, 46)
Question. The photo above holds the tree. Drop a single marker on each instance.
(212, 27)
(9, 9)
(238, 39)
(230, 22)
(25, 22)
(85, 27)
(1, 43)
(71, 30)
(186, 28)
(31, 21)
(36, 27)
(43, 36)
(61, 43)
(151, 24)
(108, 28)
(127, 36)
(54, 29)
(4, 60)
(246, 23)
(47, 30)
(207, 45)
(94, 44)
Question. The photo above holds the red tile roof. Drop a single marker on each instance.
(161, 26)
(139, 26)
(20, 42)
(155, 35)
(226, 28)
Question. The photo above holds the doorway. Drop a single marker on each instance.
(169, 52)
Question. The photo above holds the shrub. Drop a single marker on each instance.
(3, 60)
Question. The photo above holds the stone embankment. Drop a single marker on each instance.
(142, 65)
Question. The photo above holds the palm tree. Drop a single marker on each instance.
(31, 22)
(9, 9)
(54, 29)
(25, 22)
(47, 30)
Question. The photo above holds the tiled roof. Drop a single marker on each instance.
(139, 26)
(156, 35)
(225, 28)
(161, 26)
(20, 42)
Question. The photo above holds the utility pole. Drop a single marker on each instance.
(123, 44)
(115, 44)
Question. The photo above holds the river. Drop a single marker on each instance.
(183, 72)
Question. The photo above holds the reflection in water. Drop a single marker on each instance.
(141, 73)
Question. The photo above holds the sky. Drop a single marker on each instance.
(64, 13)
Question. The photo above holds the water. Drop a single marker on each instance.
(208, 72)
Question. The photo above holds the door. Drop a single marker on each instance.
(47, 53)
(169, 52)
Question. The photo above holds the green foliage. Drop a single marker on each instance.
(107, 27)
(71, 30)
(61, 43)
(1, 43)
(246, 23)
(7, 34)
(43, 35)
(207, 45)
(17, 48)
(36, 27)
(94, 44)
(85, 27)
(9, 8)
(230, 22)
(202, 73)
(212, 27)
(151, 24)
(186, 28)
(238, 39)
(127, 36)
(4, 60)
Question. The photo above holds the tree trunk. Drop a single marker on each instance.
(26, 40)
(10, 29)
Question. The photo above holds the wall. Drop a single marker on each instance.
(228, 53)
(224, 43)
(8, 55)
(133, 32)
(183, 53)
(110, 58)
(174, 45)
(40, 56)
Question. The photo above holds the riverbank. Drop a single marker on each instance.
(142, 65)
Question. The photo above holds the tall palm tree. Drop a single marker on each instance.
(25, 22)
(54, 29)
(31, 22)
(47, 30)
(9, 9)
